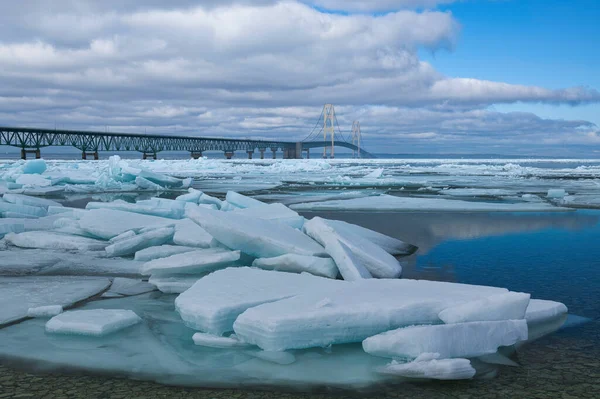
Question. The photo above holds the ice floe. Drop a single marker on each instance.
(94, 323)
(443, 369)
(293, 263)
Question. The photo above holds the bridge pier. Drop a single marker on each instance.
(262, 153)
(228, 154)
(274, 153)
(250, 153)
(24, 153)
(196, 154)
(307, 153)
(94, 154)
(147, 155)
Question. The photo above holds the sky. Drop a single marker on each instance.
(515, 77)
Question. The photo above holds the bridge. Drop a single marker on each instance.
(32, 140)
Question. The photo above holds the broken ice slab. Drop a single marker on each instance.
(91, 264)
(45, 311)
(556, 193)
(35, 211)
(391, 203)
(506, 306)
(540, 310)
(27, 261)
(256, 237)
(192, 196)
(6, 228)
(30, 201)
(174, 284)
(242, 201)
(19, 294)
(376, 260)
(14, 215)
(130, 246)
(444, 369)
(146, 184)
(188, 233)
(144, 209)
(275, 212)
(347, 312)
(96, 323)
(128, 286)
(215, 301)
(109, 223)
(216, 341)
(122, 236)
(209, 200)
(324, 267)
(53, 240)
(459, 340)
(161, 251)
(194, 262)
(33, 181)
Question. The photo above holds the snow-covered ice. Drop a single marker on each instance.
(94, 323)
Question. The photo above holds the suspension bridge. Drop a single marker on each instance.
(32, 140)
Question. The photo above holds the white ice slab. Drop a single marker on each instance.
(208, 200)
(194, 262)
(507, 306)
(122, 236)
(146, 184)
(540, 311)
(215, 301)
(556, 193)
(31, 201)
(109, 223)
(324, 267)
(274, 212)
(216, 341)
(449, 340)
(128, 287)
(152, 238)
(19, 294)
(192, 196)
(391, 203)
(162, 251)
(188, 233)
(444, 369)
(36, 211)
(52, 240)
(45, 311)
(96, 323)
(242, 201)
(256, 237)
(173, 284)
(141, 208)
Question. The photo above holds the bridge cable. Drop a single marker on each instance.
(316, 124)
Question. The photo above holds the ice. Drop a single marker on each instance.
(227, 207)
(173, 284)
(146, 184)
(581, 201)
(444, 369)
(376, 174)
(324, 267)
(31, 201)
(540, 311)
(275, 212)
(128, 286)
(14, 215)
(242, 201)
(122, 236)
(45, 311)
(162, 251)
(215, 301)
(52, 240)
(6, 228)
(392, 203)
(53, 210)
(19, 294)
(350, 313)
(216, 341)
(33, 181)
(35, 211)
(92, 264)
(208, 200)
(37, 166)
(477, 192)
(256, 237)
(282, 358)
(507, 306)
(391, 245)
(556, 193)
(449, 340)
(95, 323)
(153, 209)
(376, 260)
(188, 233)
(108, 223)
(194, 262)
(192, 196)
(150, 238)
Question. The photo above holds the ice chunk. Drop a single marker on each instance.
(188, 233)
(6, 228)
(131, 245)
(53, 210)
(208, 200)
(324, 267)
(146, 184)
(14, 215)
(540, 311)
(216, 341)
(507, 306)
(52, 240)
(391, 245)
(275, 212)
(393, 203)
(256, 237)
(31, 201)
(96, 323)
(377, 261)
(35, 166)
(173, 284)
(161, 180)
(376, 174)
(35, 211)
(227, 207)
(45, 311)
(352, 312)
(108, 223)
(195, 262)
(92, 264)
(283, 358)
(192, 196)
(214, 302)
(142, 208)
(122, 236)
(242, 201)
(444, 369)
(33, 181)
(129, 286)
(556, 193)
(449, 340)
(162, 251)
(18, 294)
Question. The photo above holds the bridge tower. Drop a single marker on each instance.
(328, 127)
(356, 136)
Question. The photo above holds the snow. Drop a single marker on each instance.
(275, 212)
(95, 323)
(52, 240)
(392, 203)
(45, 311)
(194, 262)
(444, 369)
(507, 306)
(19, 294)
(162, 251)
(256, 237)
(449, 340)
(216, 341)
(152, 238)
(188, 233)
(214, 302)
(324, 267)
